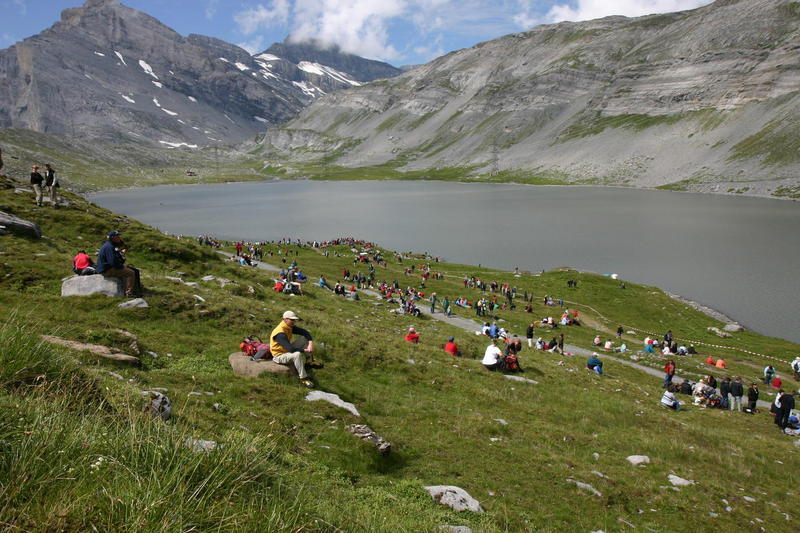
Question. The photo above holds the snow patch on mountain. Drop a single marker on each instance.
(178, 145)
(158, 84)
(155, 101)
(267, 57)
(192, 98)
(261, 119)
(308, 89)
(242, 66)
(223, 59)
(147, 68)
(322, 70)
(100, 54)
(168, 112)
(128, 99)
(121, 58)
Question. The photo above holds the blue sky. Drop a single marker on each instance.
(397, 31)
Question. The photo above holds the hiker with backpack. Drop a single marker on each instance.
(511, 356)
(286, 351)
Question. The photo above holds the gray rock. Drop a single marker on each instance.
(456, 529)
(521, 379)
(173, 278)
(365, 433)
(679, 481)
(159, 405)
(585, 486)
(19, 226)
(208, 278)
(501, 421)
(96, 284)
(199, 298)
(136, 302)
(454, 497)
(719, 333)
(191, 283)
(734, 327)
(317, 395)
(200, 445)
(637, 460)
(242, 365)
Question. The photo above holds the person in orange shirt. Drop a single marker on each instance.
(720, 363)
(710, 360)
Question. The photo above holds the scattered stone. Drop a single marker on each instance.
(713, 515)
(679, 481)
(217, 407)
(596, 456)
(19, 226)
(200, 445)
(199, 298)
(456, 529)
(585, 486)
(728, 509)
(521, 379)
(137, 302)
(454, 497)
(179, 280)
(154, 355)
(115, 375)
(719, 333)
(317, 395)
(364, 432)
(637, 460)
(159, 389)
(676, 489)
(411, 362)
(748, 499)
(495, 439)
(97, 349)
(599, 474)
(96, 284)
(195, 393)
(734, 327)
(159, 405)
(501, 421)
(242, 365)
(208, 278)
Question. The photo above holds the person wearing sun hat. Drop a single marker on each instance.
(286, 351)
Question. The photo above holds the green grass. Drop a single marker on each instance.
(778, 143)
(288, 465)
(594, 125)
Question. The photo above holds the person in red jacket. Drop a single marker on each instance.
(83, 265)
(412, 335)
(452, 348)
(669, 373)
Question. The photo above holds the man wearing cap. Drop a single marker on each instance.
(111, 263)
(452, 348)
(286, 352)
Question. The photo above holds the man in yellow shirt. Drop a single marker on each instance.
(286, 352)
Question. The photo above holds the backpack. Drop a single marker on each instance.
(512, 364)
(252, 345)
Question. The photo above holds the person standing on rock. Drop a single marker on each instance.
(286, 351)
(36, 183)
(111, 263)
(51, 183)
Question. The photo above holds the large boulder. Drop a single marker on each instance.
(455, 498)
(734, 327)
(96, 284)
(13, 224)
(242, 365)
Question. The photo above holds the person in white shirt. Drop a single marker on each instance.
(493, 357)
(668, 399)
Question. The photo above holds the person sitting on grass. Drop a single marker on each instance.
(595, 364)
(493, 357)
(83, 265)
(111, 264)
(596, 341)
(286, 351)
(452, 348)
(412, 336)
(669, 400)
(608, 346)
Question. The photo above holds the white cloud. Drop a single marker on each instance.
(251, 20)
(22, 5)
(357, 26)
(254, 45)
(211, 9)
(592, 9)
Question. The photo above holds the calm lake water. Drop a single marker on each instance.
(737, 255)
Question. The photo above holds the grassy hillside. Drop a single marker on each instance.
(77, 453)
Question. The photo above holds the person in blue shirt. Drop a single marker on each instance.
(595, 364)
(111, 263)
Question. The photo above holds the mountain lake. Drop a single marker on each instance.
(734, 254)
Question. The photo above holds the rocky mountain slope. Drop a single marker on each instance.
(702, 100)
(108, 72)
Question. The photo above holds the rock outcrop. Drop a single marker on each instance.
(366, 434)
(242, 365)
(11, 224)
(89, 285)
(97, 349)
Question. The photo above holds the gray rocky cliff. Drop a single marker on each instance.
(700, 100)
